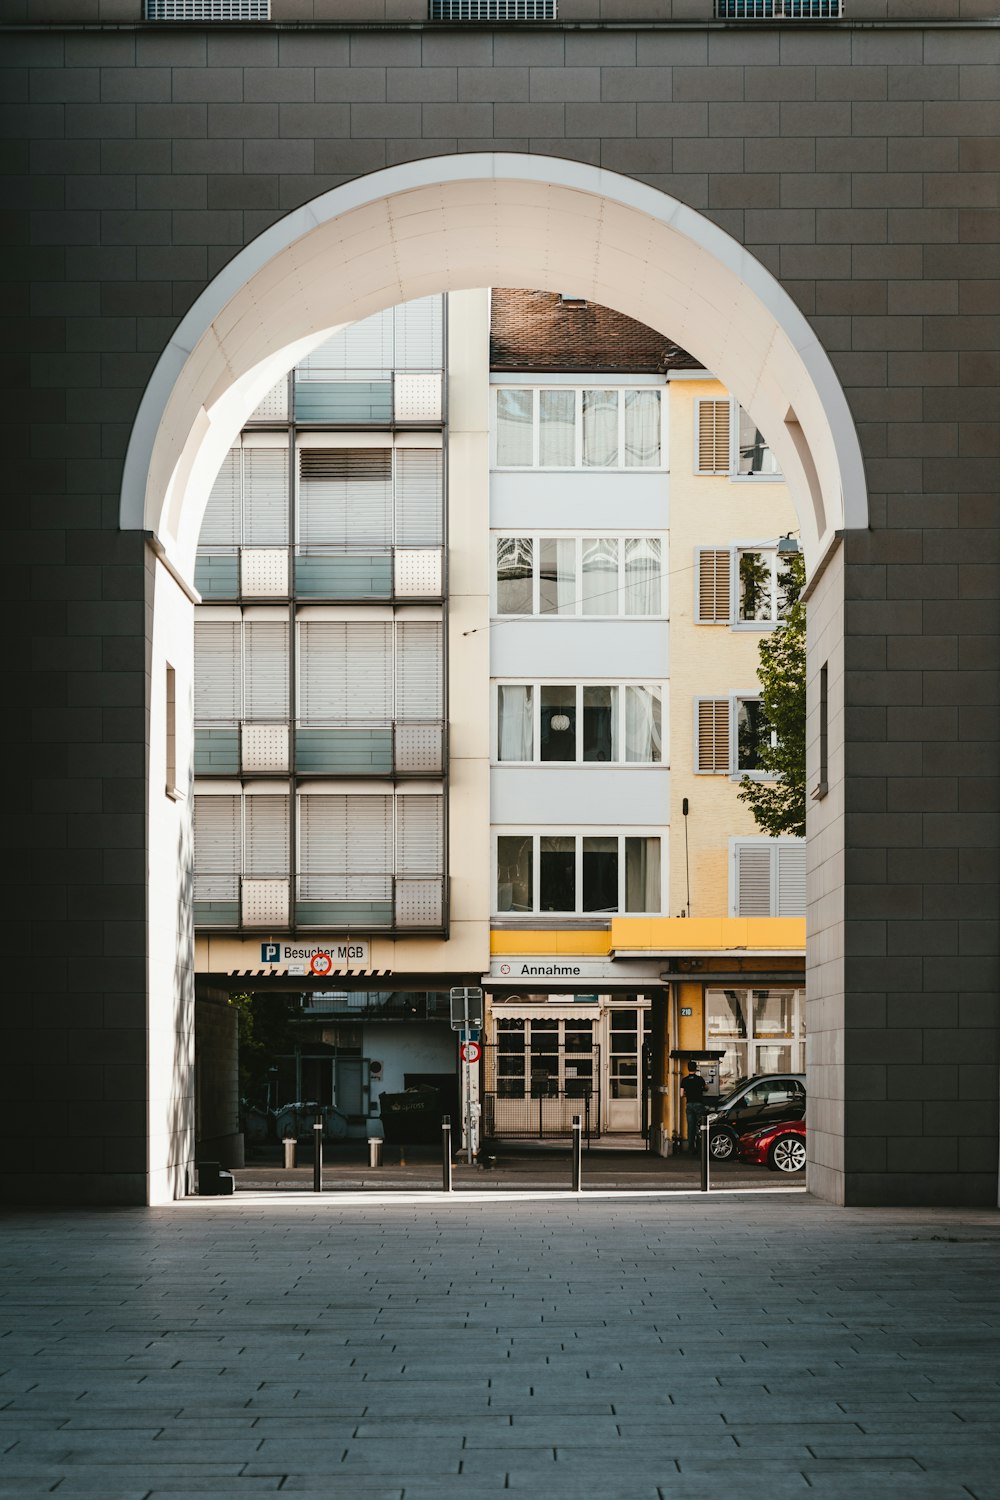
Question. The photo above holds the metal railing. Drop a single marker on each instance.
(339, 901)
(349, 748)
(375, 397)
(320, 572)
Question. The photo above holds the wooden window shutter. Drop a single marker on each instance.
(713, 604)
(713, 735)
(713, 437)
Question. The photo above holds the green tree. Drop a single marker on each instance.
(266, 1031)
(779, 805)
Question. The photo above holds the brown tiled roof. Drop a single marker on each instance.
(539, 331)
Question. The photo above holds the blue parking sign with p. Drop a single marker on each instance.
(270, 953)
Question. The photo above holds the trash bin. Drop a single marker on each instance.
(289, 1144)
(374, 1151)
(209, 1179)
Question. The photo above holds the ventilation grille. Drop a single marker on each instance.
(492, 10)
(779, 10)
(207, 10)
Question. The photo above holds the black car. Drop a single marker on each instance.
(767, 1099)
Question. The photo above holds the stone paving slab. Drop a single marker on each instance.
(394, 1349)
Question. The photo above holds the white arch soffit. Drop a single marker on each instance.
(489, 219)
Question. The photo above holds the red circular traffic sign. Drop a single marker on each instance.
(321, 964)
(471, 1052)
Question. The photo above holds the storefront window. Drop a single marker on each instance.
(761, 1031)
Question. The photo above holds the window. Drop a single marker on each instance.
(591, 428)
(616, 723)
(728, 442)
(611, 576)
(729, 735)
(578, 874)
(492, 10)
(762, 1031)
(779, 10)
(173, 791)
(741, 586)
(545, 1057)
(823, 783)
(767, 877)
(207, 10)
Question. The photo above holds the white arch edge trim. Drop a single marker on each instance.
(504, 166)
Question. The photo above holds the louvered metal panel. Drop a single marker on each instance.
(419, 669)
(264, 572)
(345, 496)
(418, 334)
(753, 880)
(419, 835)
(361, 351)
(221, 524)
(345, 846)
(713, 734)
(419, 497)
(265, 903)
(417, 398)
(713, 437)
(263, 747)
(265, 834)
(345, 671)
(218, 696)
(265, 496)
(218, 847)
(265, 671)
(714, 586)
(791, 880)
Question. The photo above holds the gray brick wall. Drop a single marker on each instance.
(858, 163)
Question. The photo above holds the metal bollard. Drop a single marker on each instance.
(318, 1154)
(374, 1151)
(446, 1153)
(706, 1144)
(289, 1144)
(577, 1154)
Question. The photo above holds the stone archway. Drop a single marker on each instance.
(447, 224)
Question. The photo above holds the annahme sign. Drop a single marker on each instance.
(528, 967)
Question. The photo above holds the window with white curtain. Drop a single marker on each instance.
(582, 575)
(562, 427)
(578, 874)
(581, 723)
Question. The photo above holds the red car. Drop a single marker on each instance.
(780, 1147)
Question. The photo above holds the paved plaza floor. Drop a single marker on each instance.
(613, 1348)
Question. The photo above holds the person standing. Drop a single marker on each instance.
(694, 1102)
